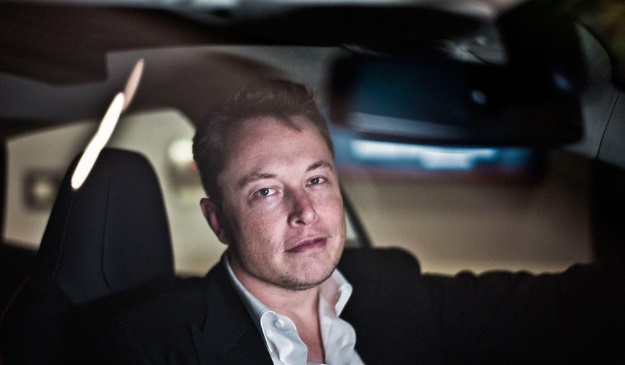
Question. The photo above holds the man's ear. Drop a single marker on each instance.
(214, 217)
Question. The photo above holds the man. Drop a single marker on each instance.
(276, 203)
(277, 296)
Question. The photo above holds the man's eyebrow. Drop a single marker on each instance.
(320, 164)
(246, 180)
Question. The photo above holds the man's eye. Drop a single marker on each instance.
(317, 181)
(265, 192)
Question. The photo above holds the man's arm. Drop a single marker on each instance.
(577, 316)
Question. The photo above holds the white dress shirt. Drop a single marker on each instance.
(281, 337)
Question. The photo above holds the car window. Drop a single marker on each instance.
(478, 224)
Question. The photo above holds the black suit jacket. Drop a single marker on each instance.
(400, 316)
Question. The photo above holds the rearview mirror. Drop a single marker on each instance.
(532, 99)
(451, 102)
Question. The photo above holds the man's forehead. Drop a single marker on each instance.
(293, 123)
(252, 132)
(262, 146)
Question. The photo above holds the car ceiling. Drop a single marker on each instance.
(63, 61)
(66, 44)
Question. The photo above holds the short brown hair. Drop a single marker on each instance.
(275, 98)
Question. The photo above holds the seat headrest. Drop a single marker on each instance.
(109, 236)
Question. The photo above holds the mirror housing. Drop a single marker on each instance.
(450, 102)
(531, 99)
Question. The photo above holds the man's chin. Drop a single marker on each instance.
(305, 283)
(312, 272)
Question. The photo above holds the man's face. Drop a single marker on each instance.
(282, 210)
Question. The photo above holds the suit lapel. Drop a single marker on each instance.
(228, 336)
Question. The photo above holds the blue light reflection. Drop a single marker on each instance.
(353, 151)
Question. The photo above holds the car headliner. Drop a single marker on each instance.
(63, 61)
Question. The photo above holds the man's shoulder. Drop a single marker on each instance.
(381, 258)
(372, 264)
(162, 324)
(187, 301)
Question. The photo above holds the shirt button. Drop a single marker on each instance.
(279, 324)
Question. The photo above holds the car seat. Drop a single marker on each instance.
(105, 246)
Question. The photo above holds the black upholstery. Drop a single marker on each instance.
(105, 246)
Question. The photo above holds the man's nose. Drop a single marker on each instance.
(302, 211)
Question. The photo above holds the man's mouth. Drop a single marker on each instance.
(308, 245)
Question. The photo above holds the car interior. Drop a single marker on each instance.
(520, 102)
